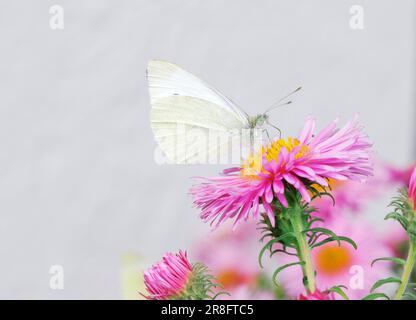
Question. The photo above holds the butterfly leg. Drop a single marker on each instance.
(278, 130)
(267, 134)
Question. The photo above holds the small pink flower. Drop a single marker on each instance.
(350, 196)
(223, 251)
(231, 256)
(341, 154)
(167, 278)
(353, 196)
(317, 295)
(399, 175)
(412, 189)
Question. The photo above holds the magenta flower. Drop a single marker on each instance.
(340, 154)
(168, 278)
(232, 258)
(400, 175)
(317, 295)
(412, 189)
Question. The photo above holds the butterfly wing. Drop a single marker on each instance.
(186, 111)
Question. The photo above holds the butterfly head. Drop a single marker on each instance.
(258, 121)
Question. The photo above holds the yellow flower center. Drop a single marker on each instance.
(253, 164)
(335, 184)
(230, 278)
(332, 186)
(332, 259)
(272, 151)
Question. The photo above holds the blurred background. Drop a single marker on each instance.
(79, 186)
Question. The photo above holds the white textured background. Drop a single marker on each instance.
(78, 183)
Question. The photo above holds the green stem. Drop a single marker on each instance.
(303, 250)
(407, 271)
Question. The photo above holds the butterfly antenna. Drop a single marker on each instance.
(278, 104)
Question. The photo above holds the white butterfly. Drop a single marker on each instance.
(186, 111)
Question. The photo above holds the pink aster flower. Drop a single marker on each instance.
(343, 265)
(317, 295)
(354, 196)
(399, 175)
(232, 257)
(341, 154)
(167, 278)
(349, 196)
(412, 189)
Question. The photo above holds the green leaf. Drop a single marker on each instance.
(282, 251)
(392, 259)
(410, 295)
(265, 236)
(313, 220)
(284, 267)
(338, 239)
(373, 296)
(270, 243)
(219, 294)
(394, 215)
(321, 230)
(338, 290)
(381, 282)
(320, 194)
